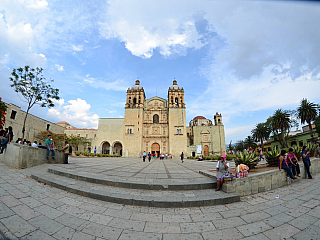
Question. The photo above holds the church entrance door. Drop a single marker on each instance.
(155, 149)
(205, 150)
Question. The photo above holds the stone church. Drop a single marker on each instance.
(155, 125)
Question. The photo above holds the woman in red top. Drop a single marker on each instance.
(293, 162)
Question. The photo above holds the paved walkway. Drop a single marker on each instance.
(32, 210)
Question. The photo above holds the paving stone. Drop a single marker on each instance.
(175, 236)
(5, 211)
(275, 210)
(197, 227)
(70, 201)
(51, 202)
(253, 228)
(278, 220)
(315, 212)
(154, 227)
(101, 219)
(93, 208)
(146, 217)
(38, 235)
(312, 203)
(46, 224)
(70, 221)
(102, 231)
(25, 212)
(225, 234)
(259, 236)
(228, 222)
(118, 213)
(10, 201)
(205, 217)
(255, 217)
(72, 210)
(217, 208)
(127, 224)
(176, 218)
(133, 235)
(297, 211)
(303, 221)
(282, 232)
(187, 210)
(17, 225)
(31, 202)
(82, 236)
(17, 193)
(48, 211)
(233, 213)
(65, 233)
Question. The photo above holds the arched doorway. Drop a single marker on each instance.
(117, 148)
(106, 148)
(205, 150)
(155, 148)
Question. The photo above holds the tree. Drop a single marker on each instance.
(261, 133)
(59, 139)
(280, 123)
(34, 88)
(239, 146)
(249, 142)
(230, 148)
(3, 112)
(307, 112)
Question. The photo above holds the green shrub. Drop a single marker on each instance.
(249, 159)
(311, 148)
(297, 151)
(77, 153)
(272, 157)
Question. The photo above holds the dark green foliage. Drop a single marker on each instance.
(249, 159)
(272, 157)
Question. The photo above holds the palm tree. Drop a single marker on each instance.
(280, 121)
(261, 132)
(307, 112)
(239, 146)
(250, 142)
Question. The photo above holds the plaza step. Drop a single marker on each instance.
(104, 180)
(138, 197)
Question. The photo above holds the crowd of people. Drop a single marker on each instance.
(150, 156)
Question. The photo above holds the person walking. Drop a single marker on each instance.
(149, 156)
(306, 160)
(47, 144)
(182, 156)
(144, 156)
(261, 153)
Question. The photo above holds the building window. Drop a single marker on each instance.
(86, 135)
(48, 127)
(95, 135)
(178, 131)
(176, 102)
(78, 135)
(134, 102)
(13, 114)
(156, 118)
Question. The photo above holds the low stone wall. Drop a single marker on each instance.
(21, 156)
(265, 181)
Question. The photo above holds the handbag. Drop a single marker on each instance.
(228, 176)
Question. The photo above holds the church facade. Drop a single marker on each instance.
(157, 125)
(154, 125)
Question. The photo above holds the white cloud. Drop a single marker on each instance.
(59, 67)
(76, 112)
(116, 85)
(77, 48)
(111, 111)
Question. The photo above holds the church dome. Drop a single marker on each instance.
(198, 117)
(136, 86)
(175, 85)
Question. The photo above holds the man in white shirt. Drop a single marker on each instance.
(34, 144)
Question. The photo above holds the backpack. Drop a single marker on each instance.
(70, 149)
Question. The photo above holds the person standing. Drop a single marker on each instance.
(47, 144)
(149, 156)
(144, 156)
(66, 152)
(317, 152)
(8, 137)
(222, 170)
(182, 157)
(306, 160)
(261, 153)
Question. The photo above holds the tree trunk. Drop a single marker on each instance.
(311, 131)
(24, 124)
(284, 144)
(262, 144)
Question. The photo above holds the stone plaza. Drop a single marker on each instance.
(31, 209)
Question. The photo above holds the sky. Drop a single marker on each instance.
(243, 59)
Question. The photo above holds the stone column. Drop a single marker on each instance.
(110, 151)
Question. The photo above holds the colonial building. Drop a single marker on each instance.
(154, 125)
(206, 138)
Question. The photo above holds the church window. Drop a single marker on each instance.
(134, 102)
(171, 99)
(13, 114)
(139, 100)
(181, 99)
(178, 131)
(156, 118)
(176, 102)
(130, 131)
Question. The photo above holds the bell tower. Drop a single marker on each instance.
(135, 96)
(177, 120)
(133, 120)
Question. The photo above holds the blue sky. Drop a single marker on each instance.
(243, 59)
